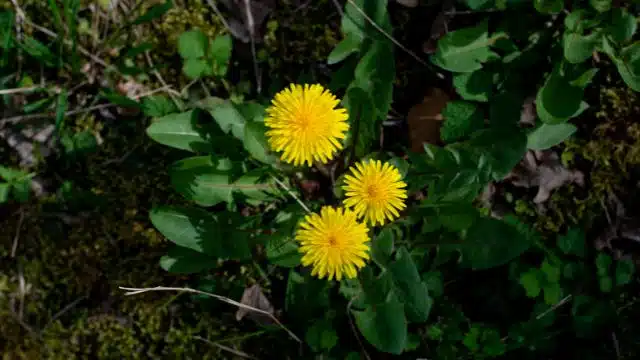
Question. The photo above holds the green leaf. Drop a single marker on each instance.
(475, 86)
(154, 12)
(549, 135)
(529, 280)
(200, 231)
(194, 68)
(625, 268)
(22, 190)
(180, 131)
(220, 53)
(227, 115)
(491, 242)
(158, 106)
(552, 293)
(181, 260)
(573, 242)
(479, 4)
(601, 5)
(622, 25)
(306, 296)
(628, 64)
(4, 192)
(363, 117)
(61, 109)
(505, 148)
(461, 119)
(193, 45)
(38, 50)
(321, 336)
(255, 142)
(384, 326)
(578, 48)
(464, 50)
(202, 179)
(411, 290)
(10, 174)
(603, 263)
(551, 271)
(548, 6)
(283, 251)
(348, 45)
(557, 100)
(382, 247)
(434, 282)
(120, 100)
(606, 284)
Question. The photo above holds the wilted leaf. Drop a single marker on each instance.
(255, 298)
(425, 119)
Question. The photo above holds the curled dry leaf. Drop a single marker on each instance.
(543, 169)
(254, 297)
(425, 119)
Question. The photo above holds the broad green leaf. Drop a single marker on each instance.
(464, 50)
(21, 190)
(551, 271)
(461, 119)
(180, 131)
(600, 5)
(628, 64)
(552, 293)
(193, 44)
(622, 25)
(505, 109)
(529, 280)
(382, 247)
(549, 135)
(181, 260)
(306, 297)
(255, 142)
(363, 117)
(375, 75)
(573, 242)
(475, 86)
(220, 53)
(606, 284)
(158, 106)
(10, 174)
(557, 100)
(479, 4)
(348, 45)
(625, 268)
(549, 6)
(321, 335)
(154, 12)
(377, 289)
(202, 179)
(504, 148)
(227, 115)
(491, 242)
(384, 326)
(4, 192)
(283, 251)
(192, 228)
(578, 48)
(120, 100)
(194, 67)
(254, 187)
(434, 282)
(410, 288)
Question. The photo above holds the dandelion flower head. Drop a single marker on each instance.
(334, 243)
(305, 125)
(375, 191)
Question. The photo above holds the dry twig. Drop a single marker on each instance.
(135, 291)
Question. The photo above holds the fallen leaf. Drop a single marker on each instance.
(254, 297)
(425, 119)
(543, 169)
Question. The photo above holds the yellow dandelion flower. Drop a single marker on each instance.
(334, 243)
(375, 191)
(305, 125)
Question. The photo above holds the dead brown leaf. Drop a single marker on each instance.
(425, 119)
(543, 169)
(254, 297)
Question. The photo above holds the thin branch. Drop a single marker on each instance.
(225, 348)
(18, 90)
(172, 93)
(565, 300)
(381, 30)
(64, 310)
(250, 25)
(293, 195)
(222, 19)
(17, 237)
(135, 291)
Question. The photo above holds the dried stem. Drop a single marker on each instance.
(136, 291)
(293, 195)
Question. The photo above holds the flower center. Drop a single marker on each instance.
(373, 192)
(332, 240)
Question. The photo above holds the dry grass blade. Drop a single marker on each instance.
(136, 291)
(226, 348)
